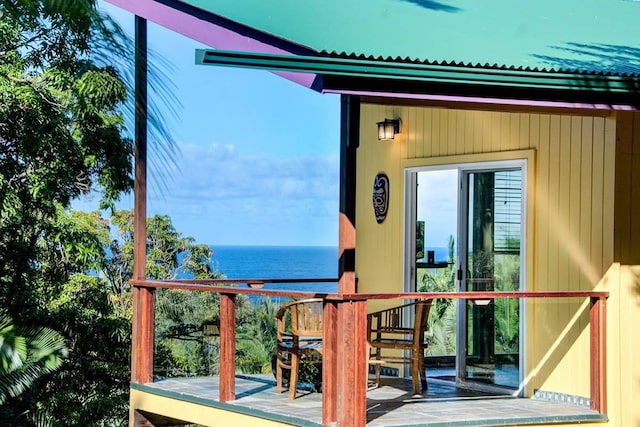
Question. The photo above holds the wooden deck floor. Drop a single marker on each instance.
(392, 404)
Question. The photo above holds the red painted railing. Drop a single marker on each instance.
(344, 345)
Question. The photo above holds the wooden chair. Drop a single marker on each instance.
(299, 338)
(391, 329)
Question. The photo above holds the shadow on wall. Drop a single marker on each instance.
(434, 5)
(635, 276)
(596, 61)
(561, 325)
(566, 331)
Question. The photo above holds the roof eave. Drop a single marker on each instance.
(380, 77)
(215, 31)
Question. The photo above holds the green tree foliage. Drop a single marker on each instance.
(442, 321)
(257, 335)
(25, 355)
(92, 383)
(505, 269)
(93, 309)
(507, 310)
(183, 345)
(61, 136)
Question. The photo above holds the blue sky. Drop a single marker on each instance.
(259, 155)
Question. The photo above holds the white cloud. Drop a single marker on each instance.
(219, 171)
(220, 195)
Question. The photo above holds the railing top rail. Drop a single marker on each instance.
(221, 286)
(245, 280)
(475, 295)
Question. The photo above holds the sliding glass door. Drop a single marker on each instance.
(467, 226)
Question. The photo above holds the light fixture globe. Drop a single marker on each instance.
(388, 128)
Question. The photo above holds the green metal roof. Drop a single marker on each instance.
(418, 79)
(415, 71)
(587, 36)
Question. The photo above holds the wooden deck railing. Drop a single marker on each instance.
(344, 341)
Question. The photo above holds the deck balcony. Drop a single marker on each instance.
(348, 397)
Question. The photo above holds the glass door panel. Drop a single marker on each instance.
(490, 261)
(435, 263)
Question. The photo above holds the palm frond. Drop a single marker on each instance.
(25, 355)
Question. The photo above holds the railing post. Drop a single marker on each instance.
(330, 363)
(143, 334)
(143, 298)
(598, 325)
(227, 347)
(352, 363)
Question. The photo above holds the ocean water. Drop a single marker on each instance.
(280, 262)
(287, 262)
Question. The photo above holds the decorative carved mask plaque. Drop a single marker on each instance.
(381, 196)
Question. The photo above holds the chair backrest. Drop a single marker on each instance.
(423, 307)
(301, 318)
(408, 319)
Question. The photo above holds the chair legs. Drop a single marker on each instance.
(378, 362)
(292, 366)
(423, 373)
(415, 374)
(293, 378)
(279, 375)
(292, 363)
(418, 373)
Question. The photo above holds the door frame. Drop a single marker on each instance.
(523, 159)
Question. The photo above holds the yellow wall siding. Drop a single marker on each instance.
(572, 169)
(191, 412)
(387, 248)
(624, 304)
(586, 198)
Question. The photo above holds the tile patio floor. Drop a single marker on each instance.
(392, 404)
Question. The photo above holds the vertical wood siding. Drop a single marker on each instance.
(583, 187)
(573, 193)
(624, 305)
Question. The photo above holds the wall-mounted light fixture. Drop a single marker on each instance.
(388, 128)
